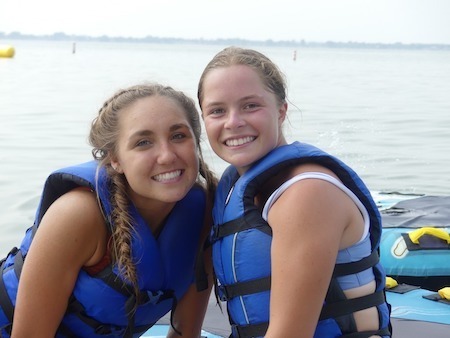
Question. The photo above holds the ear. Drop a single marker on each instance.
(282, 112)
(116, 166)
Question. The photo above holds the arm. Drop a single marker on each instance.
(71, 234)
(310, 223)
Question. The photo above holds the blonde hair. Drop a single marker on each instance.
(103, 137)
(270, 74)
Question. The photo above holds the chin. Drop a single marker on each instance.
(244, 161)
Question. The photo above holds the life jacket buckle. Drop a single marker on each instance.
(214, 233)
(222, 293)
(154, 297)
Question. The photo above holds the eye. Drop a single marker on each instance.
(250, 106)
(178, 136)
(217, 111)
(143, 143)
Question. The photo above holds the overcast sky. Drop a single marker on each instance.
(385, 21)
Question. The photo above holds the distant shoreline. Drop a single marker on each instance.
(240, 42)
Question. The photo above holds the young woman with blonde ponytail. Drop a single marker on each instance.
(116, 240)
(296, 231)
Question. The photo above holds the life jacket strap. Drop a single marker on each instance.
(111, 279)
(367, 334)
(201, 277)
(227, 292)
(351, 268)
(348, 306)
(247, 331)
(18, 262)
(5, 302)
(114, 281)
(252, 220)
(76, 308)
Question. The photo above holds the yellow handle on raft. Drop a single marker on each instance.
(390, 282)
(445, 293)
(415, 235)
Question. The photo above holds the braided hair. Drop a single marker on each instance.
(103, 138)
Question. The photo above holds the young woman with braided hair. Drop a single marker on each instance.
(115, 242)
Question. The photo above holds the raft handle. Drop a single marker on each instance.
(415, 235)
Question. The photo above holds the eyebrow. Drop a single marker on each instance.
(139, 133)
(219, 103)
(178, 126)
(252, 96)
(146, 132)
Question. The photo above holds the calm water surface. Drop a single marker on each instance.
(384, 112)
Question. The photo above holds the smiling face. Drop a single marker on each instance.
(156, 151)
(242, 117)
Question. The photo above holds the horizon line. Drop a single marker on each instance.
(64, 36)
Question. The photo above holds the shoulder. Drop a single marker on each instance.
(76, 221)
(79, 202)
(289, 179)
(318, 204)
(311, 168)
(310, 197)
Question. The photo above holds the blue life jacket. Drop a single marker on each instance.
(241, 249)
(100, 305)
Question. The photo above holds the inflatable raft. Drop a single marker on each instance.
(7, 51)
(160, 331)
(415, 244)
(415, 252)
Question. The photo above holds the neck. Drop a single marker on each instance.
(155, 216)
(281, 142)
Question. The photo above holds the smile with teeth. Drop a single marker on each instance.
(167, 176)
(239, 141)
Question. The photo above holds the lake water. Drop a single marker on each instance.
(384, 112)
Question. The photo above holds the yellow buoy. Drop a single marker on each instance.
(7, 51)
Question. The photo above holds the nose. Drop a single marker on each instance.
(234, 120)
(166, 153)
